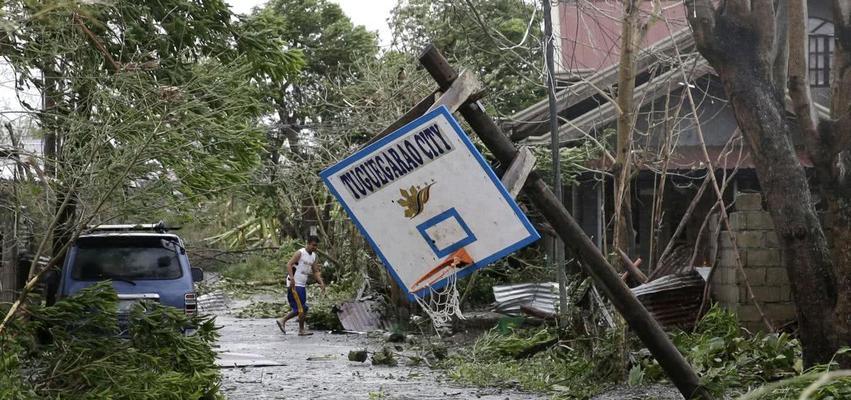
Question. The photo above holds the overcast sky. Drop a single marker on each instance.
(372, 14)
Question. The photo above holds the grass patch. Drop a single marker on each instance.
(79, 355)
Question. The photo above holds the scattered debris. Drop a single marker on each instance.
(384, 357)
(533, 311)
(326, 357)
(212, 303)
(438, 350)
(673, 300)
(241, 360)
(344, 332)
(263, 309)
(359, 355)
(414, 361)
(394, 337)
(542, 297)
(361, 316)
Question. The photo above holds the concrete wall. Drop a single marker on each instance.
(763, 264)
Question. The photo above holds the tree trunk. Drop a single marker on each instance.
(622, 237)
(760, 113)
(839, 215)
(747, 46)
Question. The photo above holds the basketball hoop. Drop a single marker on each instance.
(442, 305)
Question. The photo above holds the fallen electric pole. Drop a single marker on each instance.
(604, 275)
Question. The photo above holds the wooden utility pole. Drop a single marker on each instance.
(558, 245)
(645, 326)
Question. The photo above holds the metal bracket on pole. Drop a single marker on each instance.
(463, 88)
(515, 177)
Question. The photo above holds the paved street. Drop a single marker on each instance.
(317, 367)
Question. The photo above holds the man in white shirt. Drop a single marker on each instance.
(301, 265)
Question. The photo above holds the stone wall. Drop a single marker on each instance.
(763, 263)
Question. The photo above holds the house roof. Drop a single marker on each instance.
(587, 94)
(588, 105)
(660, 84)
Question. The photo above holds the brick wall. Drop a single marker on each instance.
(763, 263)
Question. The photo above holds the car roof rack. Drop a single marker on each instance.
(159, 227)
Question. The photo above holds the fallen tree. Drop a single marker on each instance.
(78, 353)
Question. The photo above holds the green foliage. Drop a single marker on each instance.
(82, 358)
(256, 273)
(488, 36)
(511, 344)
(155, 104)
(819, 385)
(573, 161)
(264, 309)
(385, 356)
(728, 360)
(575, 369)
(258, 268)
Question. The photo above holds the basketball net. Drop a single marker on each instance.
(442, 305)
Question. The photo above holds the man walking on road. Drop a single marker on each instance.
(299, 268)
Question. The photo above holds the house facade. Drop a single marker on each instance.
(668, 223)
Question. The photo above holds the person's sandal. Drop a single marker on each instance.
(303, 333)
(281, 326)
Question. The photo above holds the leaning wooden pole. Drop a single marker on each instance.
(644, 325)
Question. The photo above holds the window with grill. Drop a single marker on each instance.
(821, 51)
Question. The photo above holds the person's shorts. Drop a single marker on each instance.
(298, 304)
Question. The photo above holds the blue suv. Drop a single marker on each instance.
(144, 262)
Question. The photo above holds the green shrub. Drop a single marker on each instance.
(81, 356)
(257, 268)
(729, 360)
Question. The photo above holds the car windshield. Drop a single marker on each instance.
(126, 259)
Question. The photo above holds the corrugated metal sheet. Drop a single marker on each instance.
(362, 316)
(542, 296)
(212, 303)
(674, 300)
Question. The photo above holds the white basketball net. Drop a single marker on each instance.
(442, 305)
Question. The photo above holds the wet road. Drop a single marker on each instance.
(317, 367)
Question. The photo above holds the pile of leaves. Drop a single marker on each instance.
(73, 350)
(729, 360)
(763, 366)
(570, 368)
